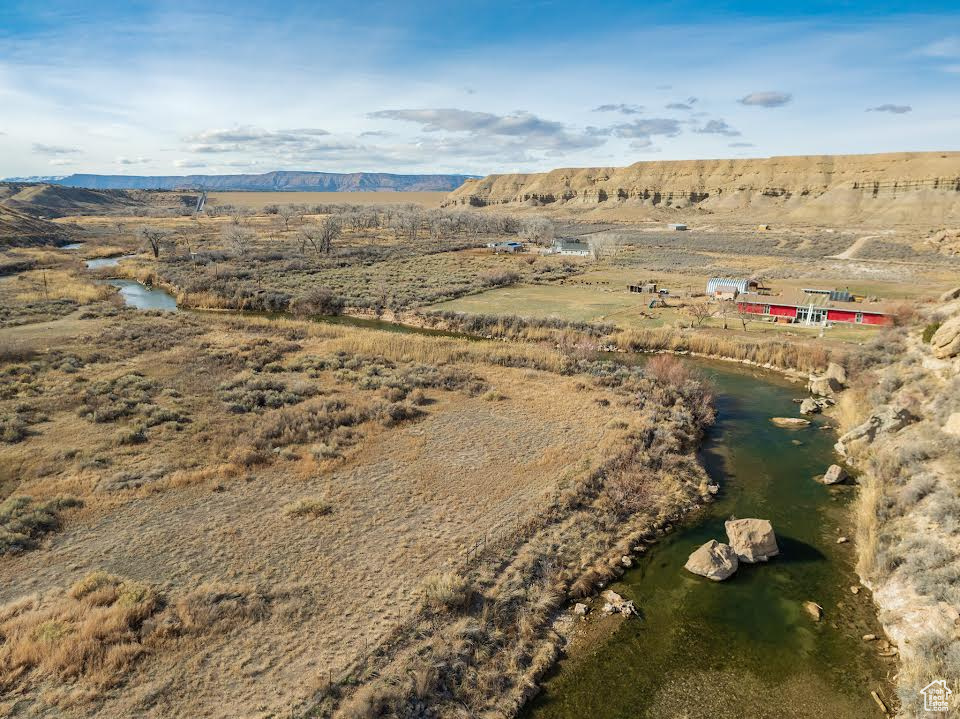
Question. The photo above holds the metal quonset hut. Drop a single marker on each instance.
(731, 284)
(816, 307)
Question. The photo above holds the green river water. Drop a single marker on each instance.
(743, 647)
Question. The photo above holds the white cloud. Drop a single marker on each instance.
(534, 131)
(718, 127)
(767, 98)
(684, 105)
(621, 108)
(41, 149)
(132, 161)
(893, 109)
(188, 163)
(240, 139)
(646, 128)
(61, 162)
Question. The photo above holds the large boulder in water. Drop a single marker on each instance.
(713, 560)
(834, 475)
(790, 422)
(752, 539)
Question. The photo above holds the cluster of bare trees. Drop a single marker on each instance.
(701, 309)
(321, 236)
(538, 230)
(239, 237)
(320, 226)
(605, 246)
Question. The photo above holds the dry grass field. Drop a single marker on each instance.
(259, 200)
(220, 516)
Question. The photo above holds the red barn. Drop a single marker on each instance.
(815, 307)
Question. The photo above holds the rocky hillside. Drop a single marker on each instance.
(892, 188)
(46, 201)
(903, 422)
(273, 182)
(19, 230)
(49, 201)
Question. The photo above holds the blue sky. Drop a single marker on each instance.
(164, 88)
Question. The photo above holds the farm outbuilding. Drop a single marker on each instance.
(726, 286)
(508, 247)
(570, 247)
(644, 287)
(816, 307)
(677, 226)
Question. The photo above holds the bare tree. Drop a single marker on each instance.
(700, 311)
(538, 230)
(239, 214)
(604, 246)
(155, 238)
(241, 238)
(286, 213)
(728, 309)
(321, 236)
(745, 316)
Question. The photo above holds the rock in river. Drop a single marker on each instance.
(814, 610)
(713, 560)
(617, 604)
(792, 422)
(834, 475)
(752, 539)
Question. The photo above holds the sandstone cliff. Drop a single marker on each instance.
(891, 188)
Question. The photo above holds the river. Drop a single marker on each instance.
(144, 298)
(132, 292)
(744, 647)
(739, 648)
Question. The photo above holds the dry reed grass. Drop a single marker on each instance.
(89, 633)
(805, 357)
(35, 285)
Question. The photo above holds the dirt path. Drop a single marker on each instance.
(851, 252)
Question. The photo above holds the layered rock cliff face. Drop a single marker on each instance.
(896, 187)
(905, 408)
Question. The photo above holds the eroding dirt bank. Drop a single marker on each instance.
(902, 422)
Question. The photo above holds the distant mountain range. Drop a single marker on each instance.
(280, 181)
(34, 178)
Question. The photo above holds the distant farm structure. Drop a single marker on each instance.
(730, 287)
(505, 247)
(816, 307)
(570, 247)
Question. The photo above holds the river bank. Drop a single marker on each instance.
(901, 424)
(744, 647)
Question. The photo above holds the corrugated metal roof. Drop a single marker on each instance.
(728, 284)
